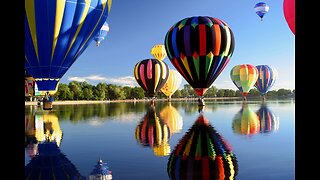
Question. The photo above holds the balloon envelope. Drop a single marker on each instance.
(51, 163)
(57, 33)
(151, 75)
(268, 120)
(172, 118)
(202, 153)
(172, 84)
(261, 9)
(244, 76)
(246, 121)
(101, 35)
(153, 132)
(267, 75)
(199, 48)
(289, 14)
(159, 52)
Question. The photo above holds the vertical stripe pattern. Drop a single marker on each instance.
(151, 75)
(199, 48)
(266, 79)
(244, 76)
(56, 34)
(202, 153)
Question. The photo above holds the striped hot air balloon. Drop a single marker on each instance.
(244, 76)
(151, 75)
(101, 35)
(246, 121)
(200, 47)
(172, 84)
(57, 33)
(267, 76)
(261, 8)
(268, 120)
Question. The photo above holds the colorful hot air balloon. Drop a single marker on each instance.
(172, 84)
(261, 8)
(57, 33)
(289, 14)
(159, 52)
(154, 132)
(268, 120)
(246, 121)
(244, 76)
(199, 48)
(267, 75)
(151, 75)
(202, 153)
(101, 35)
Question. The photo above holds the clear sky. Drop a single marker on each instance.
(137, 25)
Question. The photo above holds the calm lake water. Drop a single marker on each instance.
(171, 141)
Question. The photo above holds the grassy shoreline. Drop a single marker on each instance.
(30, 103)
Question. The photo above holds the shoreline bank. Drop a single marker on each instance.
(69, 102)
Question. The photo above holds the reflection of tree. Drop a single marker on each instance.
(153, 132)
(202, 153)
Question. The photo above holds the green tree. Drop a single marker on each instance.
(137, 92)
(75, 88)
(63, 92)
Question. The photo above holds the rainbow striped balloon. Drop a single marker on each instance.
(244, 76)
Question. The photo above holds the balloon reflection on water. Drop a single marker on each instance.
(43, 138)
(268, 120)
(41, 127)
(172, 118)
(153, 132)
(246, 121)
(202, 153)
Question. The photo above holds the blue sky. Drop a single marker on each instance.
(137, 25)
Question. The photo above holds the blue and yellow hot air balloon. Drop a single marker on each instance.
(101, 35)
(56, 33)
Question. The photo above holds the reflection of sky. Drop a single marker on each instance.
(115, 143)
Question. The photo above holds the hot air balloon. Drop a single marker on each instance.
(202, 153)
(172, 118)
(268, 120)
(151, 75)
(57, 33)
(51, 163)
(159, 52)
(172, 84)
(261, 8)
(267, 75)
(246, 121)
(154, 132)
(244, 76)
(289, 14)
(200, 47)
(101, 35)
(100, 171)
(29, 85)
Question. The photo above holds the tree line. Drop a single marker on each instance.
(102, 91)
